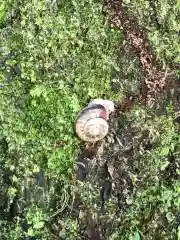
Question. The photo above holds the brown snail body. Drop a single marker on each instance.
(91, 122)
(109, 105)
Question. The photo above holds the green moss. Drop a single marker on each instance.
(63, 55)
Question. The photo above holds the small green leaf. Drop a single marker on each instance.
(12, 192)
(36, 168)
(179, 233)
(135, 236)
(37, 91)
(164, 151)
(30, 232)
(39, 225)
(14, 179)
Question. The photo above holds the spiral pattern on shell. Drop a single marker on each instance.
(91, 123)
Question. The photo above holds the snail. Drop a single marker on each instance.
(91, 123)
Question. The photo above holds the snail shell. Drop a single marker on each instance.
(91, 123)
